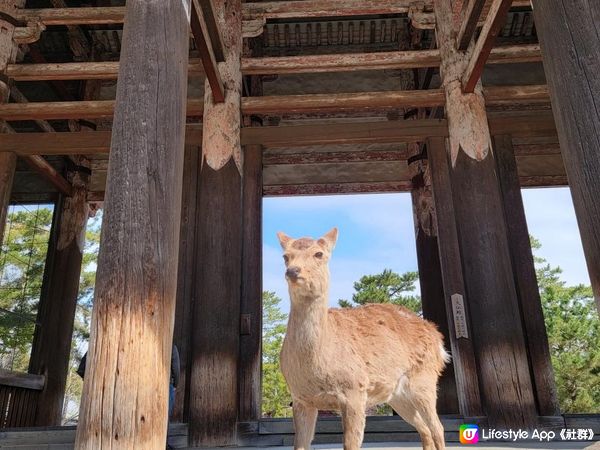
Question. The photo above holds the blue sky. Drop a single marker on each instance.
(376, 232)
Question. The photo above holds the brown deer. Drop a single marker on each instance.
(353, 358)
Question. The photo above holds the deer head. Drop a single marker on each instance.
(306, 261)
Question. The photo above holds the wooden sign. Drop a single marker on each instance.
(460, 317)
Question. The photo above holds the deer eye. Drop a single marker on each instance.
(286, 258)
(319, 255)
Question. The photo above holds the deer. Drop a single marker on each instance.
(350, 359)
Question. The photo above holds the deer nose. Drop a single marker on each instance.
(292, 272)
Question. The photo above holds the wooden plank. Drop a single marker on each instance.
(108, 70)
(469, 19)
(525, 278)
(571, 50)
(134, 307)
(483, 46)
(22, 380)
(206, 47)
(51, 348)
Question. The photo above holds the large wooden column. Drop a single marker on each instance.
(525, 279)
(124, 403)
(496, 323)
(51, 348)
(568, 34)
(214, 397)
(8, 161)
(430, 275)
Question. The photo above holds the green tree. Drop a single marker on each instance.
(573, 329)
(386, 287)
(276, 397)
(22, 263)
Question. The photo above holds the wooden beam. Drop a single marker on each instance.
(285, 104)
(335, 188)
(132, 324)
(51, 347)
(571, 49)
(49, 173)
(206, 47)
(22, 380)
(108, 70)
(470, 18)
(480, 52)
(89, 143)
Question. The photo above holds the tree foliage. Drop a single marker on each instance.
(276, 397)
(573, 329)
(21, 272)
(386, 287)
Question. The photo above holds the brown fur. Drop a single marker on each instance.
(350, 359)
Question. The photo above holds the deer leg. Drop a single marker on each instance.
(423, 396)
(353, 419)
(305, 418)
(408, 412)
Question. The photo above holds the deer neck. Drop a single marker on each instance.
(307, 325)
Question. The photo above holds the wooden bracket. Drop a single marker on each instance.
(207, 40)
(28, 34)
(420, 18)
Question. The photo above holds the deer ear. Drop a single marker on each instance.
(329, 239)
(284, 239)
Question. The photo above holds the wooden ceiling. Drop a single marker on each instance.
(337, 58)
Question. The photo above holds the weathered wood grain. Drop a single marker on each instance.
(463, 353)
(568, 33)
(525, 278)
(108, 70)
(215, 340)
(480, 51)
(470, 15)
(430, 275)
(22, 380)
(124, 403)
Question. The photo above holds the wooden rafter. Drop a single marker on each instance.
(208, 41)
(94, 142)
(251, 11)
(284, 104)
(470, 17)
(483, 46)
(107, 70)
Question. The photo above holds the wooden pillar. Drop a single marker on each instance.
(53, 335)
(570, 42)
(186, 275)
(8, 161)
(251, 303)
(525, 278)
(214, 382)
(124, 403)
(497, 332)
(455, 296)
(430, 275)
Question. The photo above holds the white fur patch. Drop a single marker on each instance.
(444, 354)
